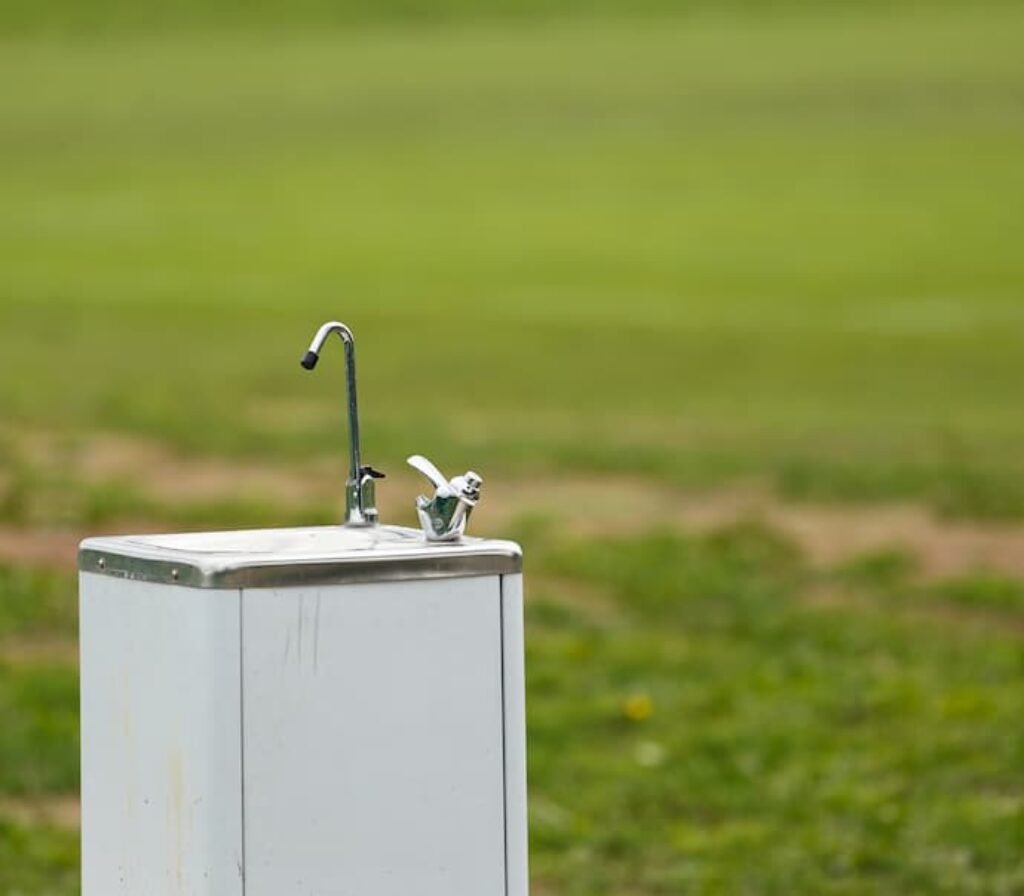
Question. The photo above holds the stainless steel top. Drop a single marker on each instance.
(271, 558)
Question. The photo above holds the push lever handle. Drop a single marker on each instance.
(444, 516)
(427, 468)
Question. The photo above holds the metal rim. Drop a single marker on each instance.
(122, 558)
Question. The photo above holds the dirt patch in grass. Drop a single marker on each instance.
(828, 534)
(980, 621)
(590, 602)
(40, 548)
(165, 475)
(59, 811)
(32, 651)
(577, 505)
(942, 548)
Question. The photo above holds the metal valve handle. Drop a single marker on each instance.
(444, 516)
(428, 469)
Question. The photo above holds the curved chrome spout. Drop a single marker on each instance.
(359, 499)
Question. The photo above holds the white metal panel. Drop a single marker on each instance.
(513, 663)
(161, 774)
(373, 740)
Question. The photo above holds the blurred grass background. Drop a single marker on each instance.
(677, 248)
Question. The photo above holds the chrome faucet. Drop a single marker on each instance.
(444, 517)
(359, 501)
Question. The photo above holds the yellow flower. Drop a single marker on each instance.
(638, 706)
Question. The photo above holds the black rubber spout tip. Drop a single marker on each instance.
(309, 360)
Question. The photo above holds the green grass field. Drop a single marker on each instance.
(689, 253)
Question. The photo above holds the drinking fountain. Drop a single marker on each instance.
(319, 710)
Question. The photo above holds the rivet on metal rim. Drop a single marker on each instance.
(175, 574)
(102, 563)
